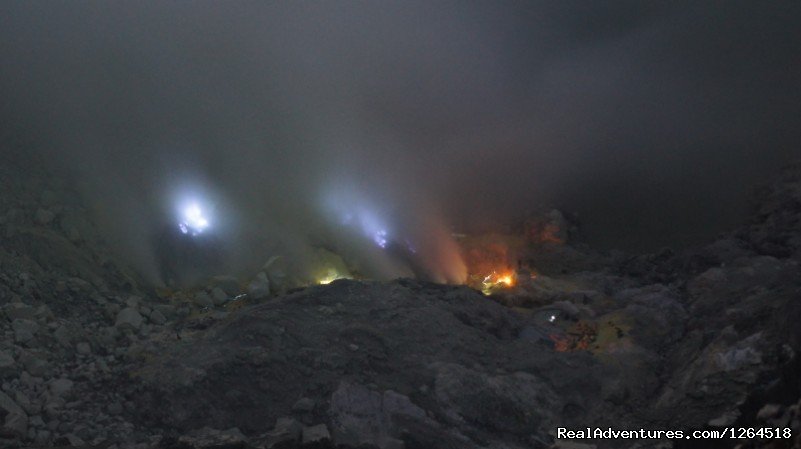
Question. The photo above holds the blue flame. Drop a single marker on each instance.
(193, 220)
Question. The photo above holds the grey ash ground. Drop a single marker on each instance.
(700, 339)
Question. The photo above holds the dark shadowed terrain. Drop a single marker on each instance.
(399, 224)
(686, 340)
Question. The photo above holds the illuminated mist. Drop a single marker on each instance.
(377, 129)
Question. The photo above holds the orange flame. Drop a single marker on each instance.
(506, 279)
(493, 280)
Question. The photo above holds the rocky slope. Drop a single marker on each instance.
(90, 357)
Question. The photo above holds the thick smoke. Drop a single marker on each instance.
(649, 120)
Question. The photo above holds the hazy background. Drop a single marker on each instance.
(651, 120)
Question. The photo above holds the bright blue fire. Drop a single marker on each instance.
(193, 221)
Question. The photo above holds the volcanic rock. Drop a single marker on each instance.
(30, 408)
(304, 405)
(563, 444)
(515, 403)
(18, 310)
(63, 336)
(128, 318)
(675, 339)
(228, 284)
(166, 310)
(24, 330)
(16, 421)
(362, 416)
(276, 271)
(70, 226)
(35, 365)
(44, 216)
(768, 411)
(219, 296)
(157, 317)
(8, 366)
(314, 434)
(286, 430)
(259, 287)
(83, 348)
(202, 299)
(208, 438)
(60, 387)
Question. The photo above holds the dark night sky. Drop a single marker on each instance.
(651, 120)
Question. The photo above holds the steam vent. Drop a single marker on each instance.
(403, 224)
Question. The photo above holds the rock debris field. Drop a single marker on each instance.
(91, 357)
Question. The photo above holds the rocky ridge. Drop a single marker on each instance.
(91, 357)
